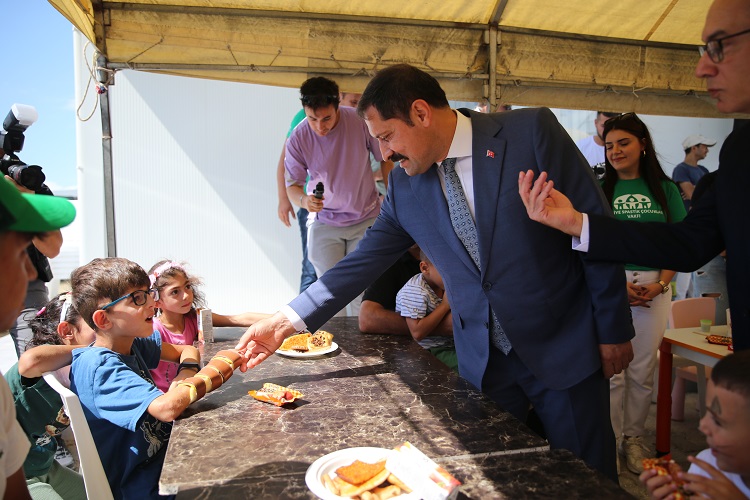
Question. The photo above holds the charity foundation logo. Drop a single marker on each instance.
(632, 202)
(635, 206)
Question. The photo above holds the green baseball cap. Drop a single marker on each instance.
(32, 213)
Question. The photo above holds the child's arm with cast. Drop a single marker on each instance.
(36, 361)
(424, 327)
(243, 319)
(179, 396)
(191, 384)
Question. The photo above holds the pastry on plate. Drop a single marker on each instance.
(319, 340)
(296, 342)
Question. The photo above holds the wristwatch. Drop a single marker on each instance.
(190, 365)
(664, 286)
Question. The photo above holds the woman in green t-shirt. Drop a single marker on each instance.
(638, 189)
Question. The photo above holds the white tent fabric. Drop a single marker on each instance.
(629, 55)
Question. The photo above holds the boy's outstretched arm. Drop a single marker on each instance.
(172, 403)
(180, 394)
(189, 386)
(36, 361)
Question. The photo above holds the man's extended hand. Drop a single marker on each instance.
(548, 205)
(615, 357)
(262, 339)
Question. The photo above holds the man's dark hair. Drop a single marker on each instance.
(104, 280)
(733, 374)
(319, 92)
(607, 114)
(393, 90)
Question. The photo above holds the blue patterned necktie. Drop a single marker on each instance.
(463, 225)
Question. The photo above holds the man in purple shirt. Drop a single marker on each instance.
(334, 148)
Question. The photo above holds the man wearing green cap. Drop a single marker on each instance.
(22, 217)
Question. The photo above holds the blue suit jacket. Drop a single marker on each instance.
(555, 306)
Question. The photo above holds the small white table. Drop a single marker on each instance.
(691, 344)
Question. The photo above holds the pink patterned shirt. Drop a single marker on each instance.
(166, 371)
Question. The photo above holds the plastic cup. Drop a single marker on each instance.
(706, 325)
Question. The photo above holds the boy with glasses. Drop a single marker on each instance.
(130, 419)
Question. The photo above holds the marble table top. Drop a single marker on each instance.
(375, 390)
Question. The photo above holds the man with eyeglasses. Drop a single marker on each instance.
(333, 148)
(718, 220)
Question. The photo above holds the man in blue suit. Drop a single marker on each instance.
(566, 319)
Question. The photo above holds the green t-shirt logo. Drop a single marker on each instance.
(631, 201)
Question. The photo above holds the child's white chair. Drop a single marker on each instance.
(91, 468)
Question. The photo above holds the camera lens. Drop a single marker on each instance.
(599, 171)
(29, 176)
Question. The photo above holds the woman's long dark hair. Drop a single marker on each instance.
(648, 165)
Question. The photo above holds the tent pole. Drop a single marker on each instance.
(109, 200)
(492, 70)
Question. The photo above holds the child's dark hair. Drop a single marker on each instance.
(733, 374)
(165, 270)
(104, 280)
(44, 324)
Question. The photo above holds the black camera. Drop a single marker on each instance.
(318, 191)
(599, 171)
(20, 117)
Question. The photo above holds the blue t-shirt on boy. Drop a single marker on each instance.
(115, 391)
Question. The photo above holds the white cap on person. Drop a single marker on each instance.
(695, 139)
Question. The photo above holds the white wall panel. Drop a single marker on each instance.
(194, 175)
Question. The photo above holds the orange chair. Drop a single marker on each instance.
(687, 313)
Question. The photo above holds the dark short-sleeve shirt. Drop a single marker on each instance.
(384, 289)
(687, 173)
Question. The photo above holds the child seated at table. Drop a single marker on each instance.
(424, 304)
(57, 329)
(722, 471)
(129, 417)
(177, 315)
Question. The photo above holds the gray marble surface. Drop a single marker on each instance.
(375, 390)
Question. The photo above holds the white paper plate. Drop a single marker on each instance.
(329, 463)
(308, 354)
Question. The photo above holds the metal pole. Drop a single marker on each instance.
(109, 185)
